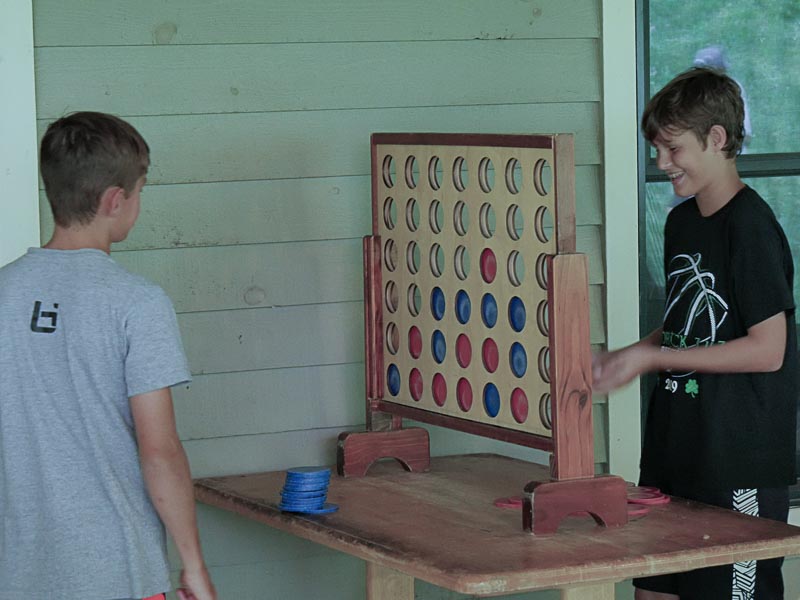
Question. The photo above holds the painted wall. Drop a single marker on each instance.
(19, 207)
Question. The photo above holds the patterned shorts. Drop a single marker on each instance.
(747, 580)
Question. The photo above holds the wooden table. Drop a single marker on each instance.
(442, 527)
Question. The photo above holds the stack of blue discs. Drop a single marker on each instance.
(305, 491)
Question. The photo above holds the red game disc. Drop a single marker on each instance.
(519, 405)
(512, 502)
(415, 384)
(439, 389)
(491, 356)
(648, 498)
(414, 342)
(488, 265)
(637, 511)
(463, 350)
(464, 394)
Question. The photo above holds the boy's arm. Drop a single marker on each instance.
(166, 474)
(760, 351)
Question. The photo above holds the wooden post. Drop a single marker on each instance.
(384, 583)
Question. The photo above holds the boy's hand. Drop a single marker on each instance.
(196, 585)
(612, 370)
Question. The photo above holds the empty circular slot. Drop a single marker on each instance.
(460, 175)
(542, 177)
(514, 222)
(389, 213)
(487, 220)
(392, 338)
(437, 260)
(390, 255)
(391, 297)
(388, 171)
(543, 224)
(541, 271)
(513, 176)
(414, 300)
(435, 173)
(412, 214)
(436, 216)
(461, 218)
(543, 318)
(516, 268)
(413, 257)
(464, 394)
(412, 172)
(544, 364)
(486, 174)
(462, 263)
(545, 411)
(519, 405)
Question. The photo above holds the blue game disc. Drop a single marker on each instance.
(309, 471)
(305, 487)
(489, 310)
(292, 495)
(439, 346)
(519, 359)
(321, 476)
(393, 380)
(463, 307)
(308, 503)
(437, 303)
(327, 508)
(491, 399)
(516, 313)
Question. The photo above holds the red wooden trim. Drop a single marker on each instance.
(570, 366)
(546, 503)
(460, 139)
(512, 436)
(377, 172)
(564, 185)
(357, 451)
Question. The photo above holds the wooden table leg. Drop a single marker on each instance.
(597, 591)
(387, 584)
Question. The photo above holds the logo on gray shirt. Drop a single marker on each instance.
(39, 319)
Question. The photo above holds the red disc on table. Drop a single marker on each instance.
(491, 356)
(519, 405)
(439, 389)
(512, 502)
(415, 384)
(463, 350)
(635, 510)
(488, 265)
(414, 342)
(648, 498)
(464, 394)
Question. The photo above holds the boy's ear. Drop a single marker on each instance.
(717, 137)
(111, 201)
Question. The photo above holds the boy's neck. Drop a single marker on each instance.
(716, 196)
(78, 238)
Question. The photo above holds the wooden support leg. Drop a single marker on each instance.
(546, 503)
(384, 583)
(357, 451)
(597, 591)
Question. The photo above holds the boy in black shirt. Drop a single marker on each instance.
(721, 421)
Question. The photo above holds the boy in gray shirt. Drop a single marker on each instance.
(91, 467)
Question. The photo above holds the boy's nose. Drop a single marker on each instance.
(663, 161)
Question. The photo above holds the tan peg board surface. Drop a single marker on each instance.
(437, 210)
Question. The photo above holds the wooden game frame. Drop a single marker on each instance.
(572, 439)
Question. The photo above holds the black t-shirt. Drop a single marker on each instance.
(724, 273)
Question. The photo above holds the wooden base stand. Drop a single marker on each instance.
(357, 451)
(546, 503)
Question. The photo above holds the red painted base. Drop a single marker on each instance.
(546, 503)
(356, 452)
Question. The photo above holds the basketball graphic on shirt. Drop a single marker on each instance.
(690, 292)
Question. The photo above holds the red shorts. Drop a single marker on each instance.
(157, 597)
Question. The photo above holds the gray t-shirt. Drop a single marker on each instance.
(79, 335)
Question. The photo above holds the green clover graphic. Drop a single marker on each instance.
(692, 388)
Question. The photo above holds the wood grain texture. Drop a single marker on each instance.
(244, 78)
(570, 365)
(387, 584)
(358, 451)
(118, 22)
(441, 527)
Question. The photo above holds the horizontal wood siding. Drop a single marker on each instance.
(258, 114)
